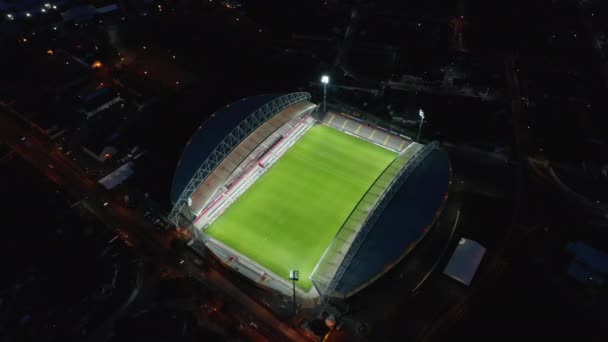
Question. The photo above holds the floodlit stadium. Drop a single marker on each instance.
(269, 184)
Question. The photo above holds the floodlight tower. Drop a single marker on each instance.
(294, 275)
(325, 81)
(421, 114)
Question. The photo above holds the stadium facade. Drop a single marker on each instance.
(239, 143)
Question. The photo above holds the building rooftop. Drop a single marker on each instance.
(465, 260)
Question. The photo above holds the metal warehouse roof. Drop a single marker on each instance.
(209, 135)
(117, 176)
(464, 262)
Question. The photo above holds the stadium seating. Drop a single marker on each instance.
(376, 135)
(205, 193)
(252, 167)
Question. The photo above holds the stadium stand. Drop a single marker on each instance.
(246, 267)
(252, 168)
(361, 129)
(335, 275)
(404, 222)
(337, 250)
(204, 194)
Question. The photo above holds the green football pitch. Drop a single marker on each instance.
(288, 217)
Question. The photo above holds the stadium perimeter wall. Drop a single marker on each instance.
(248, 268)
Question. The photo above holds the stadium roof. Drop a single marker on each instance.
(594, 259)
(464, 262)
(403, 222)
(209, 135)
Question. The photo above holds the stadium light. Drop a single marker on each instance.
(294, 275)
(325, 81)
(421, 114)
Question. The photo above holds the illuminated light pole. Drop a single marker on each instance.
(325, 81)
(294, 275)
(421, 114)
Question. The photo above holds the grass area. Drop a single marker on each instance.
(288, 217)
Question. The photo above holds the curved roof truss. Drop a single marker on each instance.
(229, 142)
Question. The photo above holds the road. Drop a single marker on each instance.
(32, 144)
(103, 332)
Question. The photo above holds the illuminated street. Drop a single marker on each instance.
(41, 153)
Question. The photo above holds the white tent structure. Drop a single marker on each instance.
(465, 260)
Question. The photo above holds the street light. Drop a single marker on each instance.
(294, 275)
(325, 81)
(421, 114)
